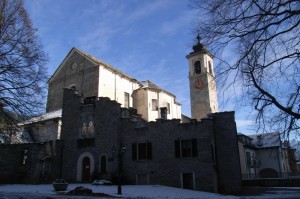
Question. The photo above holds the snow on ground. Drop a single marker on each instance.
(143, 191)
(133, 191)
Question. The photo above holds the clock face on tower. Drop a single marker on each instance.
(199, 84)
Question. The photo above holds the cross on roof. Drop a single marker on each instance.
(198, 38)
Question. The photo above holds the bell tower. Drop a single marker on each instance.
(203, 91)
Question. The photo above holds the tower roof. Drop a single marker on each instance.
(199, 48)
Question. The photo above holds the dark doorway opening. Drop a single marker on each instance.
(188, 181)
(86, 166)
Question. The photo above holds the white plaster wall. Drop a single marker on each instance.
(242, 157)
(166, 98)
(152, 115)
(124, 85)
(269, 159)
(212, 85)
(106, 86)
(176, 111)
(284, 161)
(163, 98)
(243, 160)
(114, 86)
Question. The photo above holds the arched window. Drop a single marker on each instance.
(103, 164)
(72, 86)
(90, 129)
(197, 67)
(84, 130)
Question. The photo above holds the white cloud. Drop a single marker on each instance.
(246, 126)
(114, 20)
(242, 123)
(145, 10)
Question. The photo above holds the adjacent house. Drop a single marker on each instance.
(265, 156)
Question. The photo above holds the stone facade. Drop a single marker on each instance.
(152, 155)
(75, 71)
(111, 123)
(188, 155)
(203, 91)
(227, 153)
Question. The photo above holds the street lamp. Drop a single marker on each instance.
(119, 152)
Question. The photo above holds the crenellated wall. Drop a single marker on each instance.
(196, 155)
(206, 167)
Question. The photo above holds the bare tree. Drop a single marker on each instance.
(263, 38)
(22, 65)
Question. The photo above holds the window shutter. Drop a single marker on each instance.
(177, 148)
(194, 148)
(134, 151)
(149, 151)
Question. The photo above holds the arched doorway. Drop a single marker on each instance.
(86, 169)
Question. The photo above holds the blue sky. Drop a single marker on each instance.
(147, 40)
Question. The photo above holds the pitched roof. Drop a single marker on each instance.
(150, 85)
(266, 140)
(92, 59)
(144, 84)
(100, 62)
(44, 117)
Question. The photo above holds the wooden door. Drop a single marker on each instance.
(86, 169)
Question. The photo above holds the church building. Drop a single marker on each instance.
(102, 124)
(93, 78)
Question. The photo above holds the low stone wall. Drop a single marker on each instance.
(29, 163)
(272, 182)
